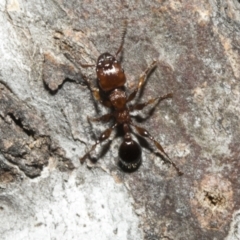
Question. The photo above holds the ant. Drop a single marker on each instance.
(111, 93)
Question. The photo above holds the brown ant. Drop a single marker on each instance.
(111, 93)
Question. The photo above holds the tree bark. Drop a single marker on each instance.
(44, 102)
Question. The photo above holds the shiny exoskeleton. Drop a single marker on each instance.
(111, 93)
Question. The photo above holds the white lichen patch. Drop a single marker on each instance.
(60, 206)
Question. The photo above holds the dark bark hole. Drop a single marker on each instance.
(214, 199)
(18, 122)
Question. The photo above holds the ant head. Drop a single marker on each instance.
(109, 72)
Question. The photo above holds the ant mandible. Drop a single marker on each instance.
(111, 93)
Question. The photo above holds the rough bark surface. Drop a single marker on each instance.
(45, 193)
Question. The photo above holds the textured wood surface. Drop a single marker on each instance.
(45, 193)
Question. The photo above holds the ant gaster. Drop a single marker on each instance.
(111, 80)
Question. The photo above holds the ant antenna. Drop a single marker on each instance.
(123, 33)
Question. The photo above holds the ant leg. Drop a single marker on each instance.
(105, 135)
(143, 132)
(104, 118)
(141, 81)
(75, 61)
(96, 95)
(95, 91)
(86, 65)
(140, 106)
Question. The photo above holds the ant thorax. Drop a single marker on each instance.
(118, 99)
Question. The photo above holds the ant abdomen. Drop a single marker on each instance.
(130, 154)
